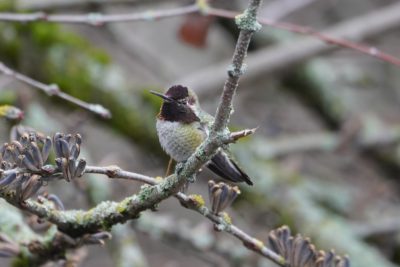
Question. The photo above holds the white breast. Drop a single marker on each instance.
(179, 141)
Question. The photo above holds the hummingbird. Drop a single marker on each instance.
(182, 126)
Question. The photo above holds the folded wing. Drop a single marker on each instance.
(226, 168)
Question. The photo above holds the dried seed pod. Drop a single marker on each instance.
(24, 139)
(8, 179)
(58, 136)
(36, 155)
(7, 155)
(61, 148)
(33, 136)
(299, 252)
(57, 201)
(26, 161)
(46, 148)
(80, 169)
(68, 138)
(71, 167)
(31, 187)
(64, 169)
(78, 139)
(221, 195)
(75, 151)
(18, 130)
(18, 146)
(13, 152)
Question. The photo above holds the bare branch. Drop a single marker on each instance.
(98, 19)
(73, 4)
(240, 134)
(327, 38)
(273, 59)
(54, 90)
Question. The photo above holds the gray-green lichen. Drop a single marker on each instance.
(247, 21)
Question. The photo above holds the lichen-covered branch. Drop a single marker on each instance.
(195, 203)
(247, 23)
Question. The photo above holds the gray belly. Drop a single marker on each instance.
(179, 142)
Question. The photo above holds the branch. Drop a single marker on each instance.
(73, 4)
(273, 59)
(241, 134)
(327, 38)
(247, 23)
(98, 19)
(54, 90)
(190, 237)
(193, 204)
(363, 138)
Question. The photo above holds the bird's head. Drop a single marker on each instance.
(179, 104)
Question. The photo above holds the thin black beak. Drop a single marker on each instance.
(166, 98)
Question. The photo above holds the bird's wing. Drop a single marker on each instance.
(226, 168)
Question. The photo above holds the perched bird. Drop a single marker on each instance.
(182, 126)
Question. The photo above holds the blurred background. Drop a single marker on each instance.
(325, 159)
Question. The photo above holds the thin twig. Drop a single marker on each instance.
(54, 90)
(98, 19)
(281, 57)
(365, 49)
(77, 4)
(240, 134)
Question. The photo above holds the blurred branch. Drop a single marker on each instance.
(282, 8)
(386, 225)
(71, 4)
(366, 136)
(346, 32)
(97, 19)
(54, 90)
(271, 60)
(327, 38)
(199, 239)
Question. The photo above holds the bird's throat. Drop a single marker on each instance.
(177, 112)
